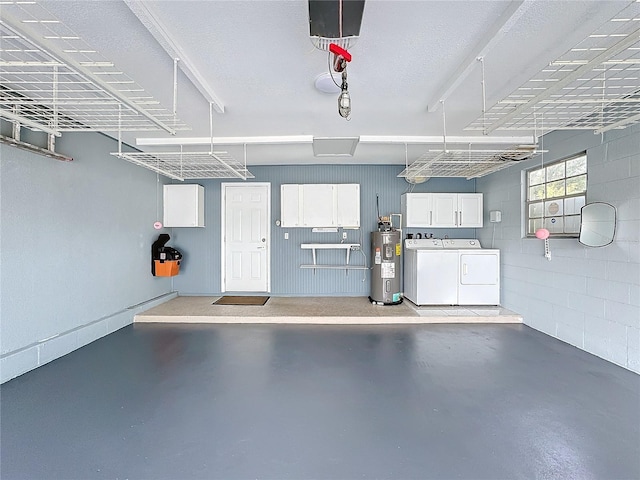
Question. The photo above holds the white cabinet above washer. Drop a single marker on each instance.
(442, 210)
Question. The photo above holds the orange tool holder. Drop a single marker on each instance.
(165, 261)
(167, 268)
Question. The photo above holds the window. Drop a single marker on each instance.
(555, 195)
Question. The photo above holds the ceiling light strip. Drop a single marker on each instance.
(282, 139)
(438, 139)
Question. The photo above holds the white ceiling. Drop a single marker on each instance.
(257, 58)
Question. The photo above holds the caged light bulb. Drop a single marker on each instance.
(344, 100)
(344, 104)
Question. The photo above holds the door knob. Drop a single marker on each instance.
(264, 240)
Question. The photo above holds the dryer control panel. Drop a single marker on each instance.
(461, 243)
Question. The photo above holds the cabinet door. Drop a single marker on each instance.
(318, 206)
(347, 205)
(445, 210)
(183, 205)
(416, 209)
(470, 210)
(289, 205)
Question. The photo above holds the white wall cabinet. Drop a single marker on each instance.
(183, 205)
(347, 197)
(470, 210)
(290, 206)
(442, 210)
(320, 205)
(416, 209)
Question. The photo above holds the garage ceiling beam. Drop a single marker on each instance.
(166, 41)
(509, 17)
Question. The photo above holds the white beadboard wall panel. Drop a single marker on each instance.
(200, 272)
(588, 297)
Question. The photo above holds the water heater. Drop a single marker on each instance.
(386, 248)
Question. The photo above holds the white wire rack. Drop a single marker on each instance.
(189, 165)
(595, 85)
(51, 80)
(465, 163)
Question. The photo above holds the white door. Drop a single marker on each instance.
(245, 237)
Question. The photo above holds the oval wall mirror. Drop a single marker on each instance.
(597, 224)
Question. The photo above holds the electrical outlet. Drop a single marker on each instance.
(286, 235)
(344, 235)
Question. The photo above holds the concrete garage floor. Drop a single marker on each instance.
(323, 402)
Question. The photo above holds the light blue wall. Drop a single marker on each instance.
(200, 271)
(588, 297)
(75, 248)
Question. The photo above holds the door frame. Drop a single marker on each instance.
(223, 223)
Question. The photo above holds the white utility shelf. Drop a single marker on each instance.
(332, 246)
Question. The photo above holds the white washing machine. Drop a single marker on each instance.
(430, 272)
(451, 272)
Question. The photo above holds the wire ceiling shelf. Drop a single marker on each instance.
(465, 163)
(51, 80)
(593, 86)
(189, 165)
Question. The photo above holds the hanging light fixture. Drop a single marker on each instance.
(344, 100)
(341, 57)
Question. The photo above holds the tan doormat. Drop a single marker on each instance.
(241, 300)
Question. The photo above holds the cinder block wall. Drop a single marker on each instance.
(75, 249)
(588, 297)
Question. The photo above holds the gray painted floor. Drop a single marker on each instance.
(323, 402)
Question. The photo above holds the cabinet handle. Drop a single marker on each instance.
(460, 217)
(456, 221)
(431, 217)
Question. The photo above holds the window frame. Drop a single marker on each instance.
(528, 202)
